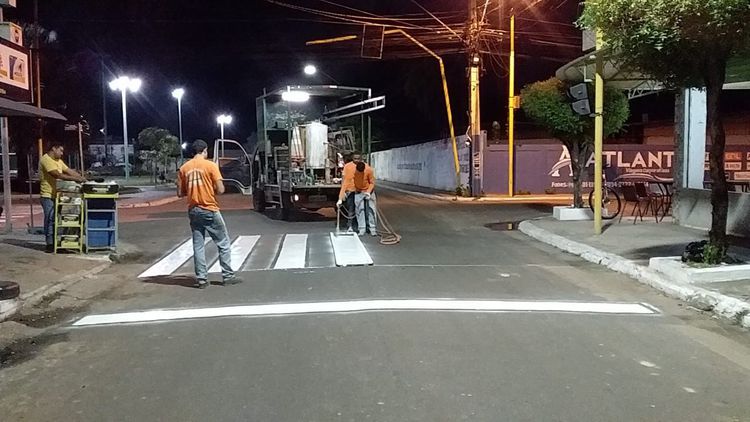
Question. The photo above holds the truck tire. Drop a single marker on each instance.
(259, 200)
(286, 205)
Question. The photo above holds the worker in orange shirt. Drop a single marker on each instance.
(346, 194)
(200, 181)
(359, 182)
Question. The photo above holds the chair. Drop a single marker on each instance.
(630, 194)
(651, 196)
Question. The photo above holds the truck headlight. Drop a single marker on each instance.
(296, 198)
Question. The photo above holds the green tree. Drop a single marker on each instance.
(546, 103)
(159, 144)
(683, 43)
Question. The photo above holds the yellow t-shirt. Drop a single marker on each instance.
(197, 177)
(47, 182)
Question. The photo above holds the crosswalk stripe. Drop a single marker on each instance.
(171, 262)
(293, 252)
(378, 305)
(349, 250)
(241, 249)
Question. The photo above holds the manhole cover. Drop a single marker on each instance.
(503, 226)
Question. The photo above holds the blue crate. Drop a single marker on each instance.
(100, 239)
(100, 220)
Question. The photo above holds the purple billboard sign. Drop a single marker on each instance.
(545, 168)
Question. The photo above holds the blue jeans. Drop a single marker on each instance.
(48, 205)
(366, 213)
(351, 210)
(202, 221)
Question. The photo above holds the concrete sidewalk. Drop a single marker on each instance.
(626, 248)
(154, 197)
(486, 199)
(40, 274)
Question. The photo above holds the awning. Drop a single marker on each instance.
(10, 108)
(637, 84)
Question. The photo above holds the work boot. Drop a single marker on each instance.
(49, 248)
(231, 281)
(201, 284)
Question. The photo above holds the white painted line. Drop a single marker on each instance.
(171, 262)
(293, 252)
(349, 251)
(369, 306)
(241, 249)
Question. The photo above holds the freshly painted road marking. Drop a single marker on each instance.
(241, 248)
(171, 262)
(348, 250)
(293, 252)
(371, 306)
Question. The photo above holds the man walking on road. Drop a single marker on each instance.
(200, 180)
(51, 169)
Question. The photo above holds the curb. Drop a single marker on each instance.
(488, 200)
(156, 203)
(35, 296)
(722, 305)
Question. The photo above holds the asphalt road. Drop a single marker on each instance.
(673, 364)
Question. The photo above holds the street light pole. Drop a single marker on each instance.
(125, 84)
(223, 119)
(125, 132)
(177, 94)
(179, 118)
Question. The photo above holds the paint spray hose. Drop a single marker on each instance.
(387, 235)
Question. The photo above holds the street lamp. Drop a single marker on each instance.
(223, 119)
(295, 96)
(177, 94)
(310, 70)
(125, 84)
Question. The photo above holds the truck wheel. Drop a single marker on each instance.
(259, 200)
(286, 205)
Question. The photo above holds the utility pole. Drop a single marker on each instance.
(512, 106)
(475, 64)
(38, 78)
(104, 130)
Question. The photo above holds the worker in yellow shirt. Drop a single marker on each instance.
(51, 169)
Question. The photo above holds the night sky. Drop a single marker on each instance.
(224, 53)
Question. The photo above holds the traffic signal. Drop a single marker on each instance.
(581, 102)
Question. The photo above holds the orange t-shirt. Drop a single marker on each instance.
(354, 181)
(197, 178)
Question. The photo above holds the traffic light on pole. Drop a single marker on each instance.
(581, 102)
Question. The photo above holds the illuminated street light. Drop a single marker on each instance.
(295, 96)
(125, 84)
(178, 94)
(223, 119)
(310, 70)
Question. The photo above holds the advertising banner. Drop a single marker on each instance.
(14, 72)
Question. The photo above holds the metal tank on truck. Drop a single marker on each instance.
(304, 133)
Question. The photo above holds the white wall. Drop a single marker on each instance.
(429, 165)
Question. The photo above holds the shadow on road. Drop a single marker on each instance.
(36, 246)
(178, 280)
(299, 216)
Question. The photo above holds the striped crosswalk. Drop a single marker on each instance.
(265, 252)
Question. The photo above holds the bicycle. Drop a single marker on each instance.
(611, 204)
